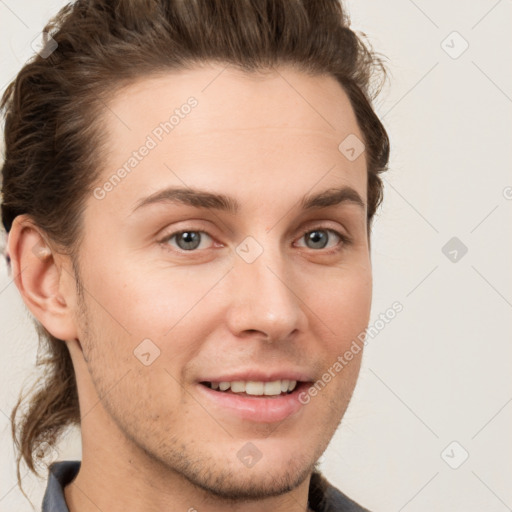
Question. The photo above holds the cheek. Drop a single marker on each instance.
(137, 318)
(344, 302)
(344, 312)
(146, 301)
(133, 302)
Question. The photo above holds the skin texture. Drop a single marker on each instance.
(150, 441)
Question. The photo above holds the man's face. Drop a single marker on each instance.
(269, 293)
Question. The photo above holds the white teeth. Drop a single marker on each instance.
(272, 388)
(254, 388)
(238, 386)
(257, 388)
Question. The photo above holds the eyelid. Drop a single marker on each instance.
(345, 240)
(166, 238)
(324, 225)
(313, 226)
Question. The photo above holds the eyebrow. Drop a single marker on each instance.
(216, 201)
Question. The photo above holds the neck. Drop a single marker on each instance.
(116, 490)
(114, 476)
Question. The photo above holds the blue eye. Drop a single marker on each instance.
(318, 239)
(187, 240)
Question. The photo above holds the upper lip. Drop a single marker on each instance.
(260, 376)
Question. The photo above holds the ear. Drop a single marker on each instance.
(44, 278)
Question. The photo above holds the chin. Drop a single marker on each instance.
(251, 483)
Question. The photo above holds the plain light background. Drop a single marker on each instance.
(435, 386)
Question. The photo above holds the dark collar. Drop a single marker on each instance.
(59, 475)
(323, 497)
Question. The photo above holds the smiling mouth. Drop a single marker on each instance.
(254, 388)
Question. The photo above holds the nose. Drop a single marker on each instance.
(265, 299)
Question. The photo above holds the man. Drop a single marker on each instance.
(223, 266)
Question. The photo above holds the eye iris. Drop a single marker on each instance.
(315, 236)
(191, 240)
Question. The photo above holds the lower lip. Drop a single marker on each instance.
(259, 409)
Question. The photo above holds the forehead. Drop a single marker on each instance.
(243, 131)
(281, 98)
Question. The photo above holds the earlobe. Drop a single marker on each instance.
(42, 282)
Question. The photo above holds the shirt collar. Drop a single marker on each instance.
(59, 475)
(323, 497)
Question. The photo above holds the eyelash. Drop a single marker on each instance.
(344, 240)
